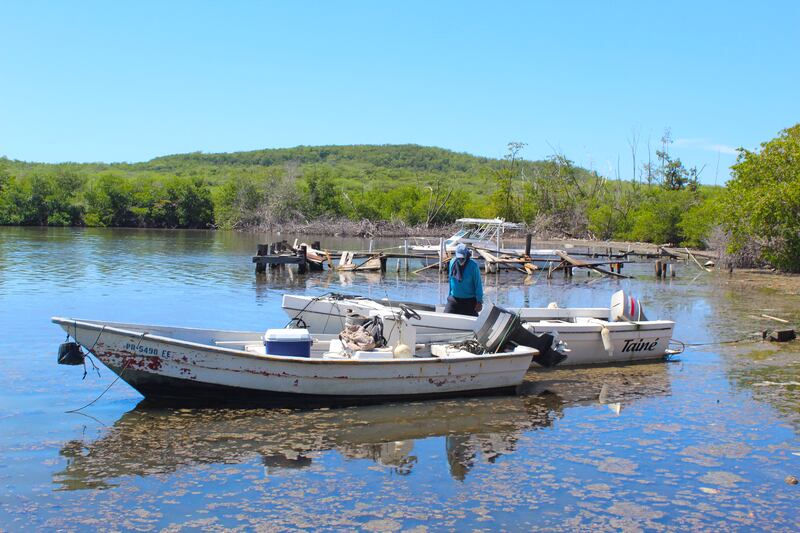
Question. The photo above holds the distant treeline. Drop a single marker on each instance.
(661, 201)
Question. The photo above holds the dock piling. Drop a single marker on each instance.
(302, 266)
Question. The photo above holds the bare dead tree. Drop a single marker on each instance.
(633, 143)
(437, 201)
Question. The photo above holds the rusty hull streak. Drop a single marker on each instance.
(126, 359)
(444, 381)
(140, 362)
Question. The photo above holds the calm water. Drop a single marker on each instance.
(702, 443)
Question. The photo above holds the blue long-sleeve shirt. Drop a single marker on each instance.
(470, 285)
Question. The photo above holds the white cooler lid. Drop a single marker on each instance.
(287, 335)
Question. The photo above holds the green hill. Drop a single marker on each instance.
(408, 183)
(410, 157)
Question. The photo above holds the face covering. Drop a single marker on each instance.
(458, 268)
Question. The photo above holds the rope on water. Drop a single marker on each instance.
(122, 371)
(753, 337)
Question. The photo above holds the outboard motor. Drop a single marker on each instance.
(498, 329)
(625, 308)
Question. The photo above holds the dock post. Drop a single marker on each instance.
(405, 251)
(263, 249)
(528, 238)
(383, 259)
(658, 268)
(302, 266)
(672, 272)
(370, 246)
(441, 253)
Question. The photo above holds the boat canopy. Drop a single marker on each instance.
(480, 230)
(488, 222)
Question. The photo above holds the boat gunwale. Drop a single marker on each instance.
(96, 326)
(654, 324)
(632, 325)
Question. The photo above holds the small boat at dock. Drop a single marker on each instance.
(288, 367)
(478, 233)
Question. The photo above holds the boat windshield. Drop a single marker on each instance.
(481, 232)
(460, 234)
(475, 230)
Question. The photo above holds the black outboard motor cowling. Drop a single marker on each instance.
(498, 329)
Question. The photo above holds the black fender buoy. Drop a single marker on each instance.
(70, 353)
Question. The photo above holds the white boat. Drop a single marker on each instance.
(212, 366)
(481, 233)
(476, 232)
(594, 335)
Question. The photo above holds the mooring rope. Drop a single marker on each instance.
(89, 351)
(297, 317)
(122, 371)
(753, 337)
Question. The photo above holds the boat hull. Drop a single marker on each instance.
(166, 369)
(164, 390)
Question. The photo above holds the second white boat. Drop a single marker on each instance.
(619, 333)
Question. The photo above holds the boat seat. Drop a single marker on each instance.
(258, 349)
(373, 355)
(334, 355)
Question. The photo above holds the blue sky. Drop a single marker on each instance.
(128, 81)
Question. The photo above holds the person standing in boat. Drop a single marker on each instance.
(466, 287)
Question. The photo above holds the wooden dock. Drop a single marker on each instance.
(313, 258)
(608, 262)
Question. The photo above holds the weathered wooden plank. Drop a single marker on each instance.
(277, 259)
(578, 263)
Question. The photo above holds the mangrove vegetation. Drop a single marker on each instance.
(756, 216)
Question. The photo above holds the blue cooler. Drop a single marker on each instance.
(289, 342)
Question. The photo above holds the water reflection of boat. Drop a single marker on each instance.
(148, 441)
